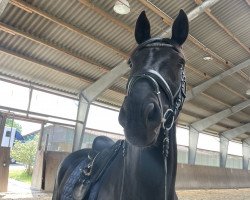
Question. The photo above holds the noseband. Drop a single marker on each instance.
(169, 116)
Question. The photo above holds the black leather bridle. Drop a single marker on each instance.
(176, 100)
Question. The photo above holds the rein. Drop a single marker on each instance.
(175, 101)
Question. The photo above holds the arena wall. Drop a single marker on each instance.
(188, 176)
(206, 177)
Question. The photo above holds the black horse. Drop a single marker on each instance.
(143, 167)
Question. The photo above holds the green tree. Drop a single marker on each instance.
(10, 123)
(25, 153)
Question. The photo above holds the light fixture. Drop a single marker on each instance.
(248, 92)
(208, 58)
(122, 7)
(248, 87)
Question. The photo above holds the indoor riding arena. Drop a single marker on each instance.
(69, 69)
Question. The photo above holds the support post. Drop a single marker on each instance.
(193, 142)
(213, 119)
(41, 136)
(82, 115)
(246, 154)
(3, 5)
(29, 103)
(4, 158)
(89, 95)
(224, 142)
(38, 169)
(202, 87)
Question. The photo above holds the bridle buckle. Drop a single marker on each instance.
(168, 117)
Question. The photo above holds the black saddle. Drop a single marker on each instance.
(88, 165)
(101, 143)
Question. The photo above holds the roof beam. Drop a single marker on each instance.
(199, 73)
(213, 119)
(103, 83)
(198, 2)
(248, 2)
(33, 9)
(91, 6)
(235, 132)
(191, 15)
(15, 31)
(3, 5)
(56, 68)
(33, 38)
(202, 87)
(201, 8)
(68, 26)
(41, 63)
(247, 140)
(99, 11)
(125, 68)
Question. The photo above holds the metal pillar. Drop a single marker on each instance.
(202, 87)
(88, 95)
(246, 154)
(213, 119)
(193, 142)
(82, 114)
(235, 132)
(41, 136)
(193, 14)
(224, 142)
(3, 5)
(4, 158)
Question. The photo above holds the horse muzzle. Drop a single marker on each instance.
(141, 121)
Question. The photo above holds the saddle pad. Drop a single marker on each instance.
(71, 181)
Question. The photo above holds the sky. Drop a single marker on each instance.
(99, 118)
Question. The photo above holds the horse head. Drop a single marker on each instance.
(156, 85)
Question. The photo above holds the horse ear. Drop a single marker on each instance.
(142, 28)
(180, 28)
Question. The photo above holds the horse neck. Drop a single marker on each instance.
(151, 156)
(144, 168)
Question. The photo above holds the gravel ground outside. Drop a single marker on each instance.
(25, 196)
(19, 190)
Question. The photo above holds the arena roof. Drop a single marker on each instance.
(66, 45)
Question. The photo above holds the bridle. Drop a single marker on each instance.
(176, 100)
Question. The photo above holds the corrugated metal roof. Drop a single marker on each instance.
(47, 51)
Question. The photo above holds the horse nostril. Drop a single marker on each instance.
(151, 114)
(149, 111)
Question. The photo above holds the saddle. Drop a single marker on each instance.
(104, 150)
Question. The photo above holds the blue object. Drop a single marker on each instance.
(18, 136)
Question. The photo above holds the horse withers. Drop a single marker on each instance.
(143, 166)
